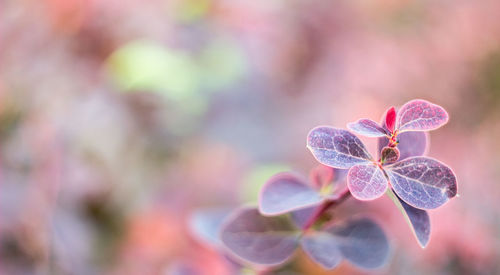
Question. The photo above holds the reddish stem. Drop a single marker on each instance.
(325, 206)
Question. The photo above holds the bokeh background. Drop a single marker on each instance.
(120, 118)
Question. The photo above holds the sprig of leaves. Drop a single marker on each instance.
(419, 182)
(293, 212)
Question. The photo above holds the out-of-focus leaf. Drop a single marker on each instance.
(360, 241)
(336, 147)
(301, 217)
(258, 239)
(286, 192)
(417, 219)
(366, 181)
(420, 115)
(367, 127)
(205, 224)
(363, 243)
(323, 248)
(422, 182)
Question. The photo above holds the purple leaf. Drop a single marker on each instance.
(361, 241)
(417, 219)
(366, 181)
(420, 222)
(258, 239)
(422, 182)
(205, 224)
(367, 127)
(336, 147)
(286, 192)
(389, 155)
(323, 248)
(301, 217)
(411, 144)
(421, 115)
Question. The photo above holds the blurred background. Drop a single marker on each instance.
(120, 118)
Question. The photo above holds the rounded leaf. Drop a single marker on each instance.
(336, 147)
(366, 181)
(421, 115)
(363, 243)
(360, 241)
(422, 182)
(286, 192)
(258, 239)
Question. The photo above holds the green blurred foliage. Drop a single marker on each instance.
(146, 65)
(176, 74)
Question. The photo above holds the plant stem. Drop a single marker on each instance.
(325, 206)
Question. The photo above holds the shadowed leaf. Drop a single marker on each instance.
(366, 181)
(336, 147)
(422, 182)
(420, 115)
(361, 241)
(389, 155)
(259, 239)
(367, 127)
(286, 192)
(411, 144)
(417, 219)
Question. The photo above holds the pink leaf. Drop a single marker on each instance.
(421, 115)
(366, 181)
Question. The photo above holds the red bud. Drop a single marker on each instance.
(390, 119)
